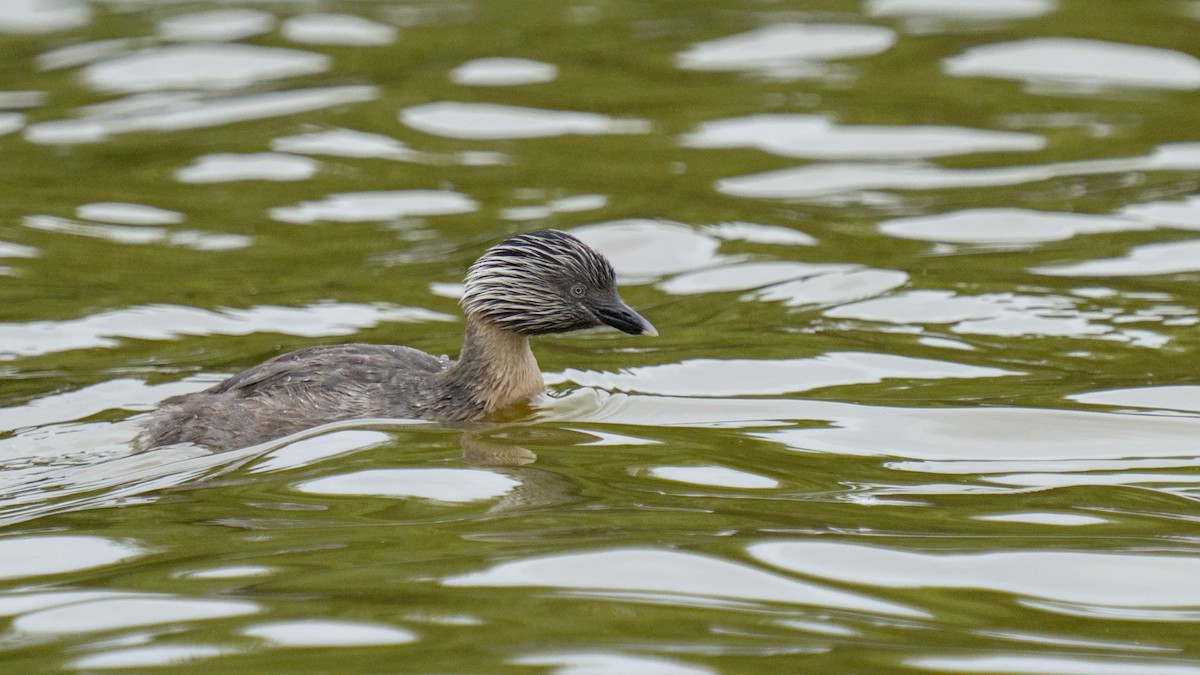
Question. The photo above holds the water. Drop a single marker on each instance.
(924, 273)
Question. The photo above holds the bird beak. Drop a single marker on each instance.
(617, 314)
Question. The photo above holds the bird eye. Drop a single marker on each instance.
(578, 290)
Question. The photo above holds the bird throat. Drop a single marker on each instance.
(498, 367)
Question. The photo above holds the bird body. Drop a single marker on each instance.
(531, 284)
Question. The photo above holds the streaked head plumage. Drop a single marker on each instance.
(543, 282)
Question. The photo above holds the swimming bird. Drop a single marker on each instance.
(531, 284)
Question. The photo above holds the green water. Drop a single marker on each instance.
(968, 450)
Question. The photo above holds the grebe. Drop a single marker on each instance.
(535, 283)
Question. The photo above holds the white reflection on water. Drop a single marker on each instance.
(357, 207)
(1166, 258)
(164, 322)
(130, 611)
(1005, 226)
(43, 16)
(232, 572)
(1113, 613)
(1020, 664)
(786, 49)
(1079, 64)
(1058, 466)
(136, 103)
(21, 601)
(80, 53)
(596, 663)
(10, 122)
(957, 9)
(35, 556)
(572, 204)
(309, 451)
(226, 167)
(641, 570)
(50, 468)
(346, 143)
(11, 250)
(149, 657)
(635, 246)
(814, 137)
(337, 29)
(759, 234)
(127, 214)
(1005, 314)
(713, 476)
(610, 438)
(481, 158)
(745, 276)
(40, 461)
(1061, 519)
(443, 485)
(1183, 214)
(178, 112)
(1008, 434)
(1005, 435)
(139, 234)
(323, 633)
(201, 66)
(119, 394)
(733, 377)
(1109, 579)
(945, 343)
(1073, 642)
(490, 121)
(503, 72)
(218, 25)
(832, 288)
(1180, 397)
(823, 180)
(1066, 479)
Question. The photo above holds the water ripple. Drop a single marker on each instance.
(732, 377)
(503, 72)
(337, 29)
(1113, 579)
(786, 50)
(814, 137)
(823, 180)
(489, 121)
(227, 167)
(175, 113)
(164, 322)
(43, 16)
(200, 66)
(356, 207)
(1080, 64)
(217, 25)
(675, 572)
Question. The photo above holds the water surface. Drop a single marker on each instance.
(924, 397)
